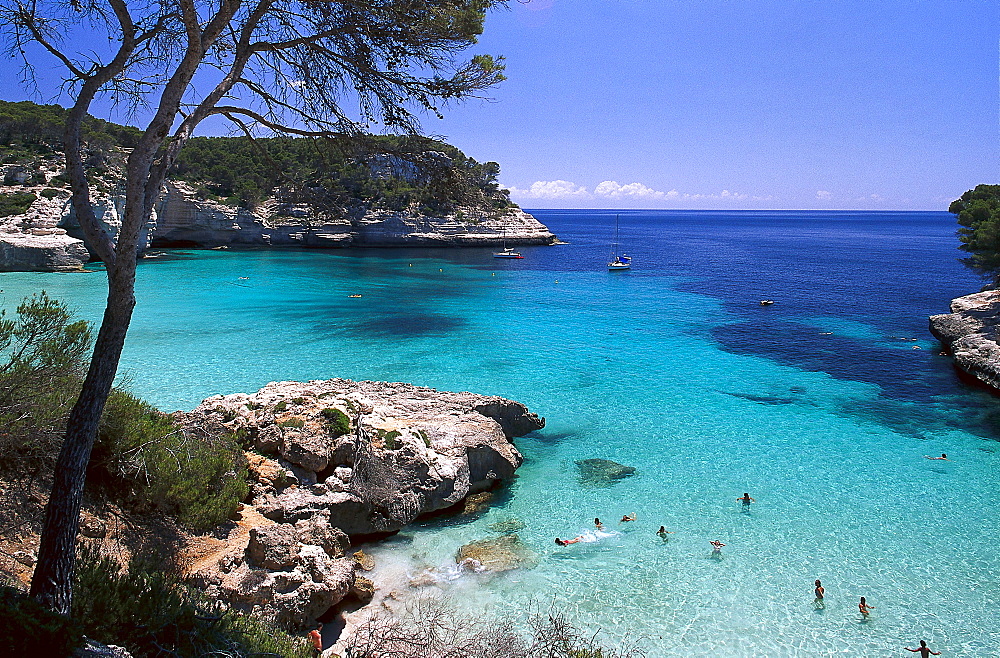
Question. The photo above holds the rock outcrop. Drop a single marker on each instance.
(409, 450)
(183, 219)
(971, 332)
(602, 472)
(33, 241)
(497, 554)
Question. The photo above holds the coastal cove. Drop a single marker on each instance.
(819, 406)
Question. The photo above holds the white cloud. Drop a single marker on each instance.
(613, 190)
(551, 189)
(823, 195)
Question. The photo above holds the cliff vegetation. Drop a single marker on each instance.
(978, 213)
(370, 172)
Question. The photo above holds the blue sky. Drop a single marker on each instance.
(731, 104)
(739, 104)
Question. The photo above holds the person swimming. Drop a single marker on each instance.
(746, 500)
(943, 456)
(820, 591)
(628, 517)
(598, 524)
(663, 532)
(863, 607)
(565, 542)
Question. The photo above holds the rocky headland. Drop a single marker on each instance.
(971, 333)
(47, 237)
(335, 461)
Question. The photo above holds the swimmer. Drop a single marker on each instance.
(663, 532)
(820, 591)
(943, 456)
(923, 650)
(716, 546)
(628, 517)
(746, 500)
(564, 542)
(863, 608)
(598, 524)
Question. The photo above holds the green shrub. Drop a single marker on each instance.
(293, 423)
(199, 478)
(337, 422)
(254, 406)
(390, 438)
(281, 406)
(298, 400)
(150, 613)
(50, 193)
(45, 357)
(16, 203)
(29, 629)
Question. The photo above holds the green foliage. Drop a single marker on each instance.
(38, 129)
(44, 355)
(16, 203)
(978, 213)
(150, 613)
(51, 193)
(390, 438)
(423, 435)
(337, 422)
(293, 423)
(197, 477)
(281, 406)
(29, 629)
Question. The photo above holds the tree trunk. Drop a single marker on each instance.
(52, 582)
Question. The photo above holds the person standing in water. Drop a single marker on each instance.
(662, 533)
(746, 500)
(716, 547)
(923, 650)
(598, 524)
(820, 591)
(864, 608)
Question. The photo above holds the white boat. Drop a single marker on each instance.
(508, 252)
(616, 261)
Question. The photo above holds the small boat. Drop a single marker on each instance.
(508, 252)
(617, 262)
(354, 296)
(766, 302)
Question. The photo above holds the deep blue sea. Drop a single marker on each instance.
(821, 406)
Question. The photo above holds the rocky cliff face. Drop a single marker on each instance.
(33, 242)
(971, 332)
(185, 220)
(339, 458)
(48, 237)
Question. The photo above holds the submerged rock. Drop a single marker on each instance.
(497, 554)
(602, 472)
(507, 526)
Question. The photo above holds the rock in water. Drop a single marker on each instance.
(497, 554)
(507, 526)
(602, 472)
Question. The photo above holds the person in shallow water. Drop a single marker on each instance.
(943, 456)
(564, 542)
(628, 517)
(663, 532)
(818, 602)
(863, 607)
(716, 546)
(746, 500)
(598, 524)
(923, 650)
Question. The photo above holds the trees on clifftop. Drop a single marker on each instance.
(978, 213)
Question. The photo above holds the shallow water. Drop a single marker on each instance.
(818, 406)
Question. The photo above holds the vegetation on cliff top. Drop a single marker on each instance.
(978, 213)
(379, 172)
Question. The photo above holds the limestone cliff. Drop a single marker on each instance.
(971, 332)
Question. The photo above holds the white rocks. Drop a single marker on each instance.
(972, 333)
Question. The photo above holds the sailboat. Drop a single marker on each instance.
(617, 262)
(508, 252)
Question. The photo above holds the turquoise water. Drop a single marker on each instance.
(818, 406)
